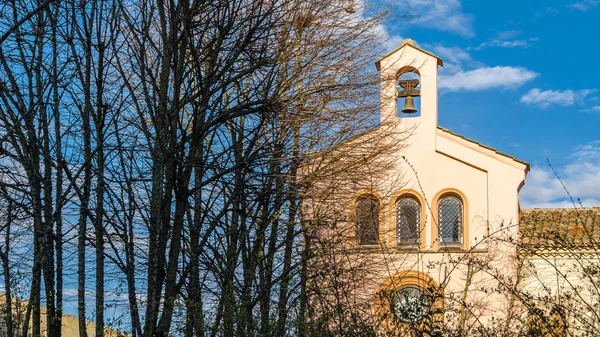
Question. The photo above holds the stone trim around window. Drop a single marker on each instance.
(393, 240)
(452, 247)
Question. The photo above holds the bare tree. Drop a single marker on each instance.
(170, 140)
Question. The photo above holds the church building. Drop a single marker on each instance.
(438, 240)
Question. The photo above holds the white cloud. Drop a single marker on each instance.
(547, 11)
(508, 34)
(484, 78)
(462, 73)
(594, 109)
(547, 98)
(455, 58)
(508, 43)
(452, 55)
(389, 42)
(443, 15)
(584, 5)
(378, 31)
(508, 39)
(581, 177)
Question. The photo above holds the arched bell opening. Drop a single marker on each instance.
(408, 86)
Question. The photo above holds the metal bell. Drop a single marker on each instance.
(409, 105)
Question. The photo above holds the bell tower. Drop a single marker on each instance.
(397, 107)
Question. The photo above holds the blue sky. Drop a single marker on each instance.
(519, 76)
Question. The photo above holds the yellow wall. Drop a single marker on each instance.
(70, 324)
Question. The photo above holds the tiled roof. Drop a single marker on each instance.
(560, 229)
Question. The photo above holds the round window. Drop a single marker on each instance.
(411, 304)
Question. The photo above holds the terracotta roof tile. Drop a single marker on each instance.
(560, 229)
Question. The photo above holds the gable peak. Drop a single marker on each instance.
(409, 42)
(413, 44)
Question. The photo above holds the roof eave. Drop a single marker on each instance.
(527, 167)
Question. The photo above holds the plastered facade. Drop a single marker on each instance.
(433, 163)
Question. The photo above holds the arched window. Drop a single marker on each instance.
(408, 220)
(450, 219)
(367, 220)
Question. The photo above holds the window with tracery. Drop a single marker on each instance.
(408, 220)
(411, 304)
(367, 220)
(450, 218)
